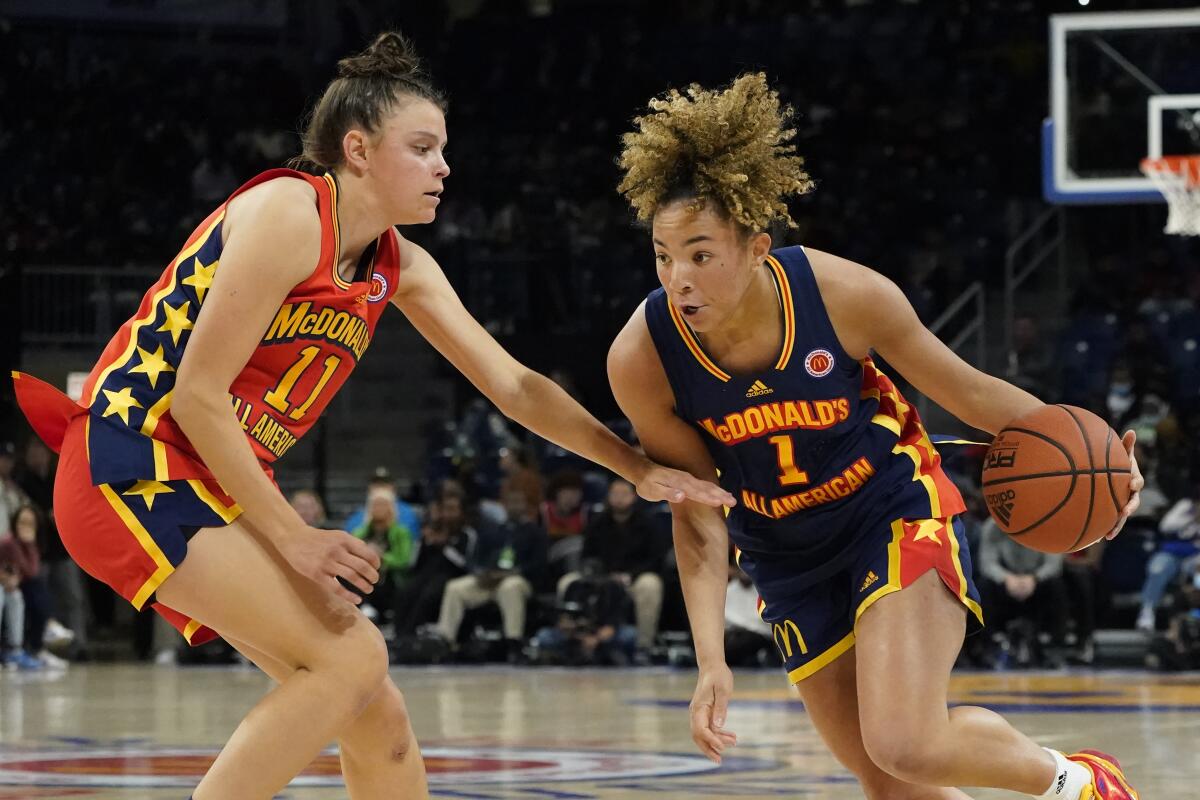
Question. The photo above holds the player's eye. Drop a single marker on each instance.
(661, 258)
(701, 257)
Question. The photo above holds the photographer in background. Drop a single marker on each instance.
(1179, 647)
(593, 624)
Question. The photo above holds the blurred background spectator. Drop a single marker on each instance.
(625, 546)
(592, 626)
(507, 563)
(1024, 595)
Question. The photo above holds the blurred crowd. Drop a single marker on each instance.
(924, 147)
(511, 549)
(931, 155)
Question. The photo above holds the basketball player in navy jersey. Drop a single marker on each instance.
(755, 365)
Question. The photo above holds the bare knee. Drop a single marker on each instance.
(909, 756)
(357, 659)
(383, 729)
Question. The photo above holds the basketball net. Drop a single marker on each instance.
(1178, 178)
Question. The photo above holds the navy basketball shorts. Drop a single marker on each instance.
(815, 625)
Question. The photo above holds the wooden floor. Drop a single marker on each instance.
(126, 731)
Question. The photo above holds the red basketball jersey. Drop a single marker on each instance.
(309, 349)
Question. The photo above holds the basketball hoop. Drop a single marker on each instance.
(1178, 178)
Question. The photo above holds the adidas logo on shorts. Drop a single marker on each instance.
(868, 581)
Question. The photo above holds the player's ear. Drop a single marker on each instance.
(760, 245)
(354, 150)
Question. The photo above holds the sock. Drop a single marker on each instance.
(1069, 778)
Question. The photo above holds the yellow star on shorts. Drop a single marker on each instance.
(928, 529)
(148, 490)
(120, 402)
(152, 365)
(177, 320)
(201, 279)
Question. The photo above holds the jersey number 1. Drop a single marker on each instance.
(788, 474)
(277, 398)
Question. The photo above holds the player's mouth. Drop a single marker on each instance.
(437, 196)
(689, 311)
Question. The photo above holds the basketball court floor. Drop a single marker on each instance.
(125, 731)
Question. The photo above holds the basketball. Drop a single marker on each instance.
(1056, 479)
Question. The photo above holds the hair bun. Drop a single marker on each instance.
(391, 55)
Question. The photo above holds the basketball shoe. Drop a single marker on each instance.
(1108, 781)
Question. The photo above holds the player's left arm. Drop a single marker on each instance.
(869, 312)
(429, 301)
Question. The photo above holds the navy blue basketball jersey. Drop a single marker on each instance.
(818, 448)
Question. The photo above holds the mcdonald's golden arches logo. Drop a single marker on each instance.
(783, 633)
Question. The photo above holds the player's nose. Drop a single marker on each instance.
(680, 282)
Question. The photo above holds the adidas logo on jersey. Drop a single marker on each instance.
(868, 581)
(758, 390)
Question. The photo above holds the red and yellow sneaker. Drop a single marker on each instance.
(1108, 781)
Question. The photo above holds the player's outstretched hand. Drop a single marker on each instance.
(709, 708)
(1136, 482)
(663, 483)
(324, 556)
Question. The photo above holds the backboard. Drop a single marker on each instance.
(1123, 86)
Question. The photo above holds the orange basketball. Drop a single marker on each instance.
(1056, 479)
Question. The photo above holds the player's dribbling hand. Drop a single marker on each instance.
(1136, 482)
(663, 483)
(709, 709)
(324, 556)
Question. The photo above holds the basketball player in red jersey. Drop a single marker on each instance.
(163, 489)
(756, 363)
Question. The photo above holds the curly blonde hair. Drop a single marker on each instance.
(730, 145)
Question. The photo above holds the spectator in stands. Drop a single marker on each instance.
(564, 515)
(1085, 591)
(11, 496)
(28, 529)
(447, 543)
(518, 473)
(310, 508)
(748, 641)
(16, 561)
(625, 544)
(35, 476)
(1179, 647)
(392, 541)
(1023, 594)
(406, 515)
(1178, 547)
(592, 625)
(1031, 362)
(507, 563)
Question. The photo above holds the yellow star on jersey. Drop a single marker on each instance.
(148, 490)
(152, 365)
(177, 320)
(928, 529)
(120, 402)
(201, 279)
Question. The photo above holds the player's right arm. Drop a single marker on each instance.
(701, 538)
(272, 243)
